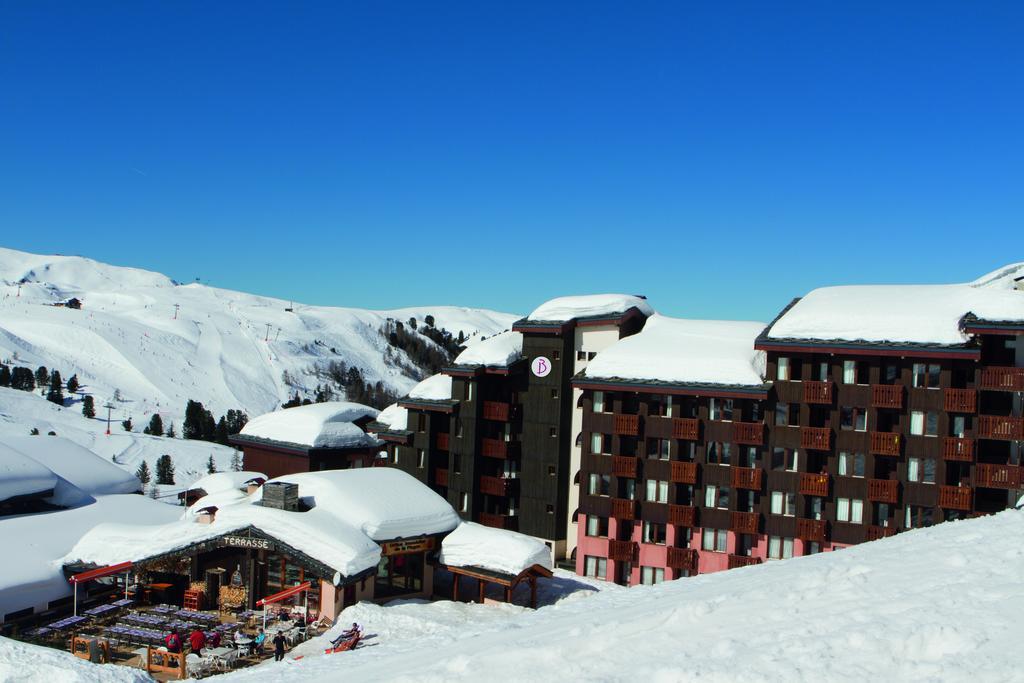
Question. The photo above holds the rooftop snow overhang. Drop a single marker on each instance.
(563, 326)
(441, 406)
(755, 391)
(971, 324)
(386, 433)
(467, 371)
(295, 448)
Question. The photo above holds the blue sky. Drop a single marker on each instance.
(719, 158)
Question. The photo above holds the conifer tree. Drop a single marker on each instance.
(5, 376)
(127, 424)
(164, 470)
(42, 376)
(56, 393)
(143, 473)
(236, 462)
(88, 409)
(170, 433)
(211, 466)
(73, 384)
(22, 379)
(156, 425)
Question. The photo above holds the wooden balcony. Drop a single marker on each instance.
(1001, 427)
(960, 400)
(686, 428)
(498, 448)
(818, 392)
(624, 466)
(495, 410)
(683, 472)
(623, 551)
(813, 484)
(885, 443)
(958, 449)
(623, 508)
(498, 521)
(746, 478)
(887, 396)
(442, 441)
(440, 477)
(1002, 379)
(876, 532)
(813, 530)
(627, 425)
(883, 491)
(997, 476)
(682, 559)
(682, 515)
(955, 497)
(750, 433)
(816, 438)
(737, 561)
(744, 522)
(497, 486)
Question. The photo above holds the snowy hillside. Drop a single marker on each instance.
(225, 349)
(942, 603)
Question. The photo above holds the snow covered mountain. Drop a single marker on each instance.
(158, 343)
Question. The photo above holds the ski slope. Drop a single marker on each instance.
(160, 343)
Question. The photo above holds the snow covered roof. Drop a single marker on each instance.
(434, 388)
(914, 314)
(499, 550)
(318, 425)
(225, 481)
(500, 350)
(679, 351)
(75, 464)
(20, 475)
(395, 417)
(565, 308)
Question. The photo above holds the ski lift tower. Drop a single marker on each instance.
(109, 406)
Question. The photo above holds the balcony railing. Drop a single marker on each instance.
(624, 466)
(497, 486)
(813, 530)
(750, 433)
(686, 428)
(887, 396)
(1002, 379)
(682, 558)
(1001, 427)
(683, 472)
(682, 515)
(623, 508)
(960, 400)
(442, 441)
(498, 448)
(623, 551)
(627, 425)
(496, 410)
(498, 521)
(745, 522)
(997, 476)
(814, 484)
(818, 392)
(440, 477)
(816, 438)
(876, 532)
(883, 491)
(885, 443)
(746, 478)
(737, 561)
(955, 497)
(958, 449)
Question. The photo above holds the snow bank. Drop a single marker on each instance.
(20, 475)
(395, 417)
(685, 351)
(571, 307)
(509, 552)
(75, 464)
(500, 350)
(34, 664)
(434, 388)
(918, 314)
(319, 425)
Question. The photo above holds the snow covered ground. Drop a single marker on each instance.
(942, 603)
(226, 349)
(31, 664)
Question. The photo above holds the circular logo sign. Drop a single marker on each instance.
(541, 366)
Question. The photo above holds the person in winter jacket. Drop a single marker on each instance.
(173, 641)
(278, 647)
(197, 639)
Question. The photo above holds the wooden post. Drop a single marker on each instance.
(455, 587)
(508, 593)
(533, 592)
(481, 582)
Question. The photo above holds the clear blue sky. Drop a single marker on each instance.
(721, 159)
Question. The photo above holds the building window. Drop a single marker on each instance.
(553, 431)
(780, 547)
(600, 443)
(551, 509)
(715, 540)
(716, 497)
(782, 369)
(421, 458)
(595, 567)
(458, 428)
(853, 419)
(959, 426)
(456, 463)
(926, 376)
(783, 503)
(551, 470)
(600, 484)
(851, 464)
(921, 470)
(657, 491)
(850, 510)
(651, 575)
(924, 423)
(719, 453)
(721, 409)
(784, 459)
(890, 374)
(556, 355)
(822, 372)
(421, 422)
(464, 502)
(787, 414)
(599, 402)
(597, 526)
(658, 449)
(917, 517)
(849, 372)
(653, 532)
(581, 355)
(554, 393)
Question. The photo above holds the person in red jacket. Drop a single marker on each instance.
(173, 641)
(197, 639)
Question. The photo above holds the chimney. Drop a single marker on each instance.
(253, 485)
(206, 515)
(281, 495)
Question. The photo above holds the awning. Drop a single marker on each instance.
(287, 593)
(100, 572)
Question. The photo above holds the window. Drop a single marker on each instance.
(851, 464)
(551, 470)
(719, 453)
(917, 517)
(849, 372)
(924, 423)
(721, 409)
(783, 503)
(581, 355)
(600, 443)
(458, 428)
(715, 540)
(653, 532)
(658, 449)
(926, 376)
(550, 509)
(554, 393)
(959, 426)
(812, 548)
(595, 567)
(784, 459)
(556, 355)
(842, 509)
(651, 575)
(782, 369)
(467, 391)
(394, 454)
(597, 526)
(780, 547)
(456, 463)
(748, 457)
(421, 458)
(657, 491)
(787, 414)
(850, 510)
(822, 372)
(853, 419)
(890, 374)
(600, 484)
(921, 470)
(464, 502)
(598, 401)
(716, 497)
(816, 506)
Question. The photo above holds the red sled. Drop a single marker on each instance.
(345, 646)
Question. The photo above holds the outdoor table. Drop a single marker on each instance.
(101, 610)
(223, 655)
(124, 602)
(64, 624)
(40, 632)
